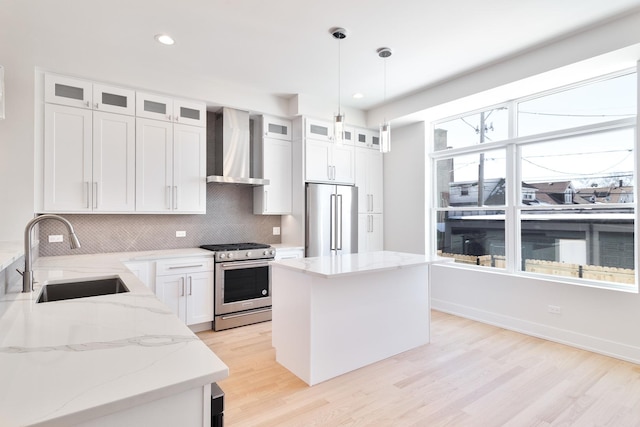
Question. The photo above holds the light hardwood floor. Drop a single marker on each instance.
(471, 374)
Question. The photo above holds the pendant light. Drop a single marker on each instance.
(338, 120)
(385, 127)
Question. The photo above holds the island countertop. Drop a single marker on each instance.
(352, 264)
(66, 362)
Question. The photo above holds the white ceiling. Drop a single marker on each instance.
(283, 47)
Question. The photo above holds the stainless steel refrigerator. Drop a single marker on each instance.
(332, 219)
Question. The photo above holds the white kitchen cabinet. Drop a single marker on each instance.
(367, 138)
(141, 270)
(289, 253)
(165, 108)
(369, 180)
(318, 130)
(276, 128)
(89, 160)
(275, 197)
(170, 167)
(81, 93)
(370, 232)
(185, 285)
(326, 161)
(329, 162)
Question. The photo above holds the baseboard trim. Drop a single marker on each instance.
(563, 336)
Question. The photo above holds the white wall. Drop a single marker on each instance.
(404, 190)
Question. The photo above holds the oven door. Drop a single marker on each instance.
(242, 285)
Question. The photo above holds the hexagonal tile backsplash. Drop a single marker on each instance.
(229, 219)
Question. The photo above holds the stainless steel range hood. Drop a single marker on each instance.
(232, 152)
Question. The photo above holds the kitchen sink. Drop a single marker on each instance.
(81, 289)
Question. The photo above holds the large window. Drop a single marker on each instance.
(543, 185)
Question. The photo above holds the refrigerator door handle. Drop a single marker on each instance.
(339, 222)
(332, 228)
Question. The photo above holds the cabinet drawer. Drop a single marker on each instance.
(184, 265)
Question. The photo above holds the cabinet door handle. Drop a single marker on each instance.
(97, 105)
(86, 192)
(190, 285)
(88, 104)
(266, 200)
(175, 197)
(329, 172)
(169, 118)
(95, 195)
(167, 197)
(182, 286)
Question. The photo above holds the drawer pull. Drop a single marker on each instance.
(186, 266)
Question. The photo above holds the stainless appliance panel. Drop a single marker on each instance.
(235, 293)
(331, 219)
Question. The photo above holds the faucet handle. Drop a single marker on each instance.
(20, 272)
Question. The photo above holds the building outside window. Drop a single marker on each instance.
(543, 185)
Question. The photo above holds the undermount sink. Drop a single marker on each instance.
(81, 289)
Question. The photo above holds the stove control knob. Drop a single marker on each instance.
(221, 256)
(230, 255)
(248, 254)
(266, 253)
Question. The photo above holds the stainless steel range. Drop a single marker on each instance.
(242, 284)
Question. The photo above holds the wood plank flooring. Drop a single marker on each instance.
(471, 374)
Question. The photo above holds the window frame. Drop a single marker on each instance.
(514, 207)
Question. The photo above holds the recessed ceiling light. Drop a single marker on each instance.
(165, 39)
(358, 95)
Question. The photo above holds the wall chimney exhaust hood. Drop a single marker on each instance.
(232, 149)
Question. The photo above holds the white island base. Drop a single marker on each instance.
(332, 315)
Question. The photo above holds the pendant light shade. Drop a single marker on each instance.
(385, 127)
(338, 120)
(338, 128)
(385, 137)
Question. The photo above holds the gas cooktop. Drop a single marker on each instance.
(235, 246)
(240, 251)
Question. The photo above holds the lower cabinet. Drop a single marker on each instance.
(370, 233)
(185, 285)
(141, 271)
(289, 253)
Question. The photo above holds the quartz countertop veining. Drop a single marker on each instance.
(10, 251)
(351, 264)
(66, 362)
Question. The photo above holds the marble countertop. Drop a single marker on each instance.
(352, 264)
(69, 361)
(10, 251)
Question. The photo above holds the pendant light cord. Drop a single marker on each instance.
(339, 73)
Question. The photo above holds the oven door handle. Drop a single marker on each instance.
(242, 264)
(245, 313)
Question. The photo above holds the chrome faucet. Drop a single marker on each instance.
(27, 275)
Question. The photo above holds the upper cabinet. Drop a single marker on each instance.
(272, 160)
(170, 167)
(99, 157)
(89, 151)
(367, 138)
(86, 94)
(168, 109)
(276, 128)
(326, 160)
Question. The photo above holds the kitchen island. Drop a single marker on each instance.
(121, 359)
(338, 313)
